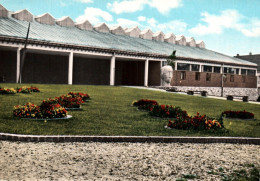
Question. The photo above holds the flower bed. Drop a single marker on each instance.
(198, 122)
(238, 114)
(7, 91)
(180, 118)
(145, 104)
(68, 101)
(166, 111)
(27, 90)
(83, 96)
(45, 110)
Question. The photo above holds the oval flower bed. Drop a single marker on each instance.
(45, 111)
(145, 104)
(238, 114)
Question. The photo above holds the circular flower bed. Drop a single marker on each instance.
(83, 96)
(45, 110)
(7, 91)
(145, 104)
(68, 101)
(238, 114)
(27, 90)
(166, 111)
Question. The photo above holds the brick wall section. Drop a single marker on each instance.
(215, 81)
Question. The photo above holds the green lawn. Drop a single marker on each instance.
(110, 113)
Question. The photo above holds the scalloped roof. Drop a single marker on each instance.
(11, 27)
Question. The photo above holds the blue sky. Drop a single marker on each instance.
(226, 26)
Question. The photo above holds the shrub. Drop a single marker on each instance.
(238, 114)
(7, 91)
(198, 122)
(166, 111)
(83, 96)
(145, 104)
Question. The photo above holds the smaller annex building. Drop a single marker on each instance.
(60, 51)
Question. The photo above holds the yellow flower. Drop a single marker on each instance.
(45, 121)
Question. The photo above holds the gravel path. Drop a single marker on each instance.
(121, 161)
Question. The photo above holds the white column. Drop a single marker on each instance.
(146, 67)
(200, 69)
(70, 71)
(112, 70)
(18, 64)
(175, 66)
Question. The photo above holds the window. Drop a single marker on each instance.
(243, 71)
(229, 70)
(208, 77)
(183, 75)
(195, 67)
(231, 78)
(197, 76)
(237, 71)
(207, 68)
(250, 72)
(243, 79)
(216, 69)
(183, 66)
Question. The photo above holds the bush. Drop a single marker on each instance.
(238, 114)
(166, 111)
(145, 104)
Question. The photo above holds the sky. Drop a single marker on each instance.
(227, 26)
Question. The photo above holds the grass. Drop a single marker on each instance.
(110, 113)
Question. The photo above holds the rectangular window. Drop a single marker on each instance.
(183, 75)
(216, 69)
(195, 67)
(207, 68)
(243, 79)
(243, 71)
(231, 78)
(237, 71)
(228, 70)
(197, 76)
(250, 72)
(208, 77)
(183, 66)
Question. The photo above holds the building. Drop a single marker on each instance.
(60, 51)
(255, 59)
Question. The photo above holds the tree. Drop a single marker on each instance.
(171, 59)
